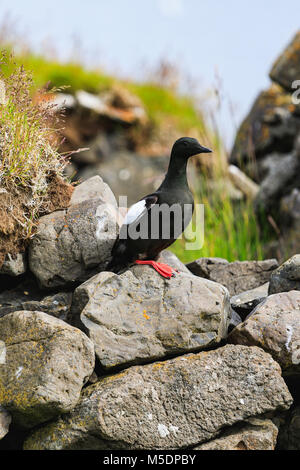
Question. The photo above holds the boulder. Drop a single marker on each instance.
(289, 434)
(238, 276)
(44, 364)
(245, 302)
(286, 69)
(253, 434)
(14, 265)
(139, 316)
(173, 404)
(270, 125)
(70, 245)
(274, 325)
(5, 420)
(286, 277)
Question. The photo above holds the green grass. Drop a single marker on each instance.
(231, 229)
(27, 156)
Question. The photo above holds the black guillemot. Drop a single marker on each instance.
(148, 228)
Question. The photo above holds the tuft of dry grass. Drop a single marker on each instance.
(30, 164)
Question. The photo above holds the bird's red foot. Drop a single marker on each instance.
(163, 269)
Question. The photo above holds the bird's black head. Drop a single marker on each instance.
(186, 147)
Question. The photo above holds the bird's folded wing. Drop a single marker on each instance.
(138, 209)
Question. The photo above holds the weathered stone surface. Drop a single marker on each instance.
(14, 265)
(43, 365)
(245, 302)
(286, 277)
(274, 325)
(280, 171)
(289, 434)
(238, 276)
(70, 243)
(139, 316)
(286, 69)
(170, 405)
(253, 434)
(5, 420)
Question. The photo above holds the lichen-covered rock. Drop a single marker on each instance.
(5, 420)
(238, 276)
(44, 363)
(139, 316)
(245, 302)
(170, 405)
(274, 325)
(286, 277)
(286, 69)
(253, 434)
(270, 119)
(70, 243)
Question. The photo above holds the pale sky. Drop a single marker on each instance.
(239, 39)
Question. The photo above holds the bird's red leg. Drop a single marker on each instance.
(163, 269)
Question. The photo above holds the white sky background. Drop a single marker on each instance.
(238, 39)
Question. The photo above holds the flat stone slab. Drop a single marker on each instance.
(239, 276)
(173, 404)
(274, 325)
(44, 364)
(139, 316)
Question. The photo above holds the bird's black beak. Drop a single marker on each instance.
(199, 149)
(204, 150)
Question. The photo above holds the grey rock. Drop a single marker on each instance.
(5, 420)
(286, 69)
(139, 316)
(281, 170)
(238, 276)
(253, 434)
(289, 434)
(286, 277)
(70, 245)
(14, 265)
(245, 302)
(173, 404)
(274, 325)
(44, 363)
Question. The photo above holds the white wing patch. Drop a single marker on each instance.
(134, 212)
